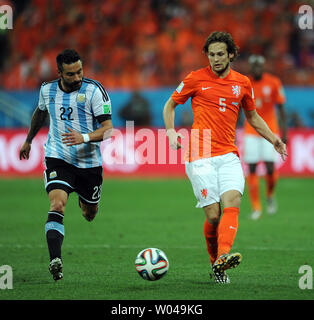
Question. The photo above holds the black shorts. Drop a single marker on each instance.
(85, 182)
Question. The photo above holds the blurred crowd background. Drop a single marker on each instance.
(150, 43)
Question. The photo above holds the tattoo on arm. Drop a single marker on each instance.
(37, 122)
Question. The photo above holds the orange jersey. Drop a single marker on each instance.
(215, 104)
(268, 92)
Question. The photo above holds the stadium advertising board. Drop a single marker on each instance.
(145, 153)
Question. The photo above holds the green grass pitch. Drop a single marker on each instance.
(134, 214)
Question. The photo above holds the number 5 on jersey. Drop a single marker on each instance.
(222, 104)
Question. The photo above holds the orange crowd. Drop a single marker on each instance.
(152, 43)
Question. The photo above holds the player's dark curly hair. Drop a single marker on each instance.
(67, 56)
(221, 36)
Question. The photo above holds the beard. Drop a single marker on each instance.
(71, 86)
(220, 72)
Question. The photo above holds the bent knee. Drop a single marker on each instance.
(89, 212)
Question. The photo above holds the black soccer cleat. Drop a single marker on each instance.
(55, 268)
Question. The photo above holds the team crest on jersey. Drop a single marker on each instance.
(52, 175)
(236, 90)
(81, 98)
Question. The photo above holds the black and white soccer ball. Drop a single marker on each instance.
(151, 264)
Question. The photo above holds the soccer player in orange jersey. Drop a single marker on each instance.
(268, 93)
(213, 164)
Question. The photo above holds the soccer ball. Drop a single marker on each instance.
(151, 264)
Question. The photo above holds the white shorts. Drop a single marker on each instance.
(212, 177)
(258, 149)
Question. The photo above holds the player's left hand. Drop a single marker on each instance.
(72, 138)
(281, 148)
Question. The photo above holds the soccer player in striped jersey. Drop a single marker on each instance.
(80, 118)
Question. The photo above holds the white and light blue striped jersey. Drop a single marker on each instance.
(81, 110)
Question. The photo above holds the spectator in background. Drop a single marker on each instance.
(137, 110)
(148, 39)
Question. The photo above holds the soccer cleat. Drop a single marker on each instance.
(220, 277)
(55, 268)
(271, 206)
(224, 262)
(233, 260)
(255, 215)
(218, 269)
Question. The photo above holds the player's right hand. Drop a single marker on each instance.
(25, 150)
(173, 137)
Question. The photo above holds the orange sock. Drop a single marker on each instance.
(210, 232)
(271, 180)
(227, 229)
(253, 188)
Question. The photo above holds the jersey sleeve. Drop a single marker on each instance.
(41, 101)
(280, 94)
(185, 90)
(248, 102)
(101, 105)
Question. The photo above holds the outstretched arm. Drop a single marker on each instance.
(38, 119)
(262, 129)
(168, 115)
